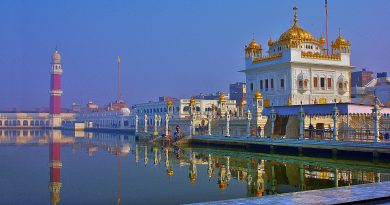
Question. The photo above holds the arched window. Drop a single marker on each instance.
(18, 123)
(6, 123)
(25, 123)
(1, 123)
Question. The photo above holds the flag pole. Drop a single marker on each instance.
(327, 40)
(119, 83)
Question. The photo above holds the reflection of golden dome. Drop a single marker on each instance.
(192, 179)
(170, 172)
(222, 185)
(169, 103)
(192, 101)
(222, 98)
(322, 40)
(257, 95)
(259, 193)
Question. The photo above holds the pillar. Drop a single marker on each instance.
(155, 122)
(301, 115)
(272, 118)
(136, 122)
(146, 123)
(209, 124)
(376, 116)
(166, 124)
(248, 126)
(227, 124)
(335, 115)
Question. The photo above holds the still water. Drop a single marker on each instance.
(54, 167)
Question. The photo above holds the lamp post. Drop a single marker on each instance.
(376, 116)
(145, 123)
(166, 124)
(248, 126)
(272, 118)
(209, 117)
(335, 116)
(227, 124)
(301, 115)
(136, 122)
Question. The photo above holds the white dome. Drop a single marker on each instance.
(56, 57)
(125, 111)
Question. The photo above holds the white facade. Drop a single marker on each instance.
(298, 69)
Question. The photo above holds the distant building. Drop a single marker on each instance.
(211, 96)
(112, 106)
(166, 99)
(75, 108)
(381, 75)
(92, 107)
(237, 92)
(379, 87)
(361, 78)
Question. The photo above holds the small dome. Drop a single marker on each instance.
(259, 193)
(192, 179)
(170, 103)
(270, 42)
(222, 98)
(340, 42)
(322, 40)
(257, 95)
(253, 45)
(192, 100)
(125, 111)
(56, 57)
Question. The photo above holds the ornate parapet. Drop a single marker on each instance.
(320, 56)
(267, 58)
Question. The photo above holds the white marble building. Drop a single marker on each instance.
(298, 69)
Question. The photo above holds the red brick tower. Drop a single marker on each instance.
(55, 90)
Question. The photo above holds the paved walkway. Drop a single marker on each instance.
(382, 147)
(349, 194)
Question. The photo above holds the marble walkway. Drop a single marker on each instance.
(341, 195)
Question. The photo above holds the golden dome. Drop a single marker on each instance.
(222, 98)
(296, 33)
(270, 42)
(322, 40)
(192, 100)
(253, 45)
(56, 57)
(340, 42)
(257, 95)
(169, 103)
(259, 193)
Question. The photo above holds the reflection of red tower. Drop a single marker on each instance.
(55, 165)
(55, 90)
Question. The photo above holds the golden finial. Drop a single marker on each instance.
(257, 95)
(289, 101)
(295, 8)
(192, 101)
(169, 103)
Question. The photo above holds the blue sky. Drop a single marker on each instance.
(172, 47)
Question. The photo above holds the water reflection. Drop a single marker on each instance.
(209, 172)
